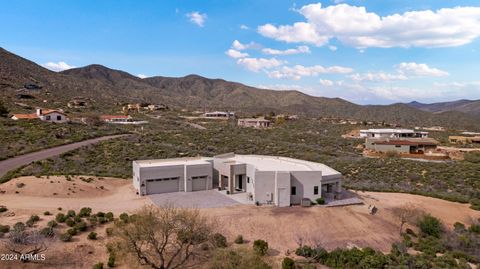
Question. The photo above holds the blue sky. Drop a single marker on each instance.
(365, 51)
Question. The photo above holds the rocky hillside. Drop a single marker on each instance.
(471, 107)
(24, 81)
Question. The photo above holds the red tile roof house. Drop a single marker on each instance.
(56, 116)
(116, 118)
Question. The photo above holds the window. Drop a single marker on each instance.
(199, 177)
(59, 117)
(294, 190)
(315, 190)
(398, 146)
(248, 179)
(47, 117)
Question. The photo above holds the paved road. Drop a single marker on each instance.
(15, 162)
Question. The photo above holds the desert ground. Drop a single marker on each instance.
(282, 228)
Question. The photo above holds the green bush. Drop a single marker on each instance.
(19, 226)
(85, 212)
(109, 231)
(288, 263)
(60, 218)
(239, 239)
(474, 228)
(219, 240)
(81, 226)
(34, 218)
(430, 226)
(71, 213)
(52, 224)
(29, 223)
(3, 209)
(109, 216)
(260, 247)
(320, 201)
(72, 231)
(66, 237)
(70, 222)
(47, 213)
(77, 219)
(111, 260)
(92, 236)
(98, 266)
(124, 217)
(47, 232)
(100, 214)
(4, 228)
(472, 157)
(430, 245)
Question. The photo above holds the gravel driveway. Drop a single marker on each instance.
(196, 199)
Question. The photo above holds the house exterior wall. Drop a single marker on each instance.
(397, 148)
(52, 117)
(304, 181)
(282, 189)
(197, 170)
(264, 182)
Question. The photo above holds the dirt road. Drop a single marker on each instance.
(18, 161)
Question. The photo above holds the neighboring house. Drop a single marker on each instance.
(157, 107)
(401, 145)
(56, 116)
(464, 139)
(116, 118)
(392, 133)
(254, 122)
(266, 179)
(219, 114)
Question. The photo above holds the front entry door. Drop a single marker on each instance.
(240, 182)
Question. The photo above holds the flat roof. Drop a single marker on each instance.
(275, 163)
(388, 131)
(173, 161)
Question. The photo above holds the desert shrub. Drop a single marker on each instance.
(81, 226)
(475, 204)
(34, 218)
(20, 185)
(59, 209)
(47, 232)
(225, 258)
(3, 209)
(30, 223)
(66, 237)
(100, 214)
(430, 226)
(124, 217)
(239, 239)
(472, 157)
(72, 231)
(219, 240)
(47, 213)
(71, 213)
(430, 245)
(92, 236)
(4, 228)
(102, 220)
(93, 220)
(109, 216)
(260, 247)
(111, 260)
(70, 222)
(109, 231)
(52, 224)
(288, 263)
(19, 226)
(77, 218)
(98, 266)
(85, 212)
(320, 201)
(474, 228)
(410, 232)
(60, 218)
(459, 227)
(391, 154)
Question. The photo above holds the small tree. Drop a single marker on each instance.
(165, 237)
(3, 110)
(430, 225)
(260, 247)
(407, 213)
(27, 243)
(288, 263)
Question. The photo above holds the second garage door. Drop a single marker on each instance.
(162, 185)
(199, 183)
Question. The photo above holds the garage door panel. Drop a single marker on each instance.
(199, 183)
(162, 186)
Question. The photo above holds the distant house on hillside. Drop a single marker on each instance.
(464, 139)
(392, 133)
(56, 116)
(116, 118)
(219, 114)
(254, 122)
(401, 145)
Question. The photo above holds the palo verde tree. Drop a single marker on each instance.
(164, 237)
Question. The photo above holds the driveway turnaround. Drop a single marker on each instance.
(195, 199)
(15, 162)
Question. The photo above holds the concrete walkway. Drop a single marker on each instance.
(15, 162)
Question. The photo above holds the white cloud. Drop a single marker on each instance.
(257, 64)
(332, 48)
(415, 69)
(244, 27)
(236, 54)
(326, 82)
(197, 18)
(378, 77)
(299, 49)
(298, 71)
(142, 76)
(57, 67)
(354, 26)
(239, 46)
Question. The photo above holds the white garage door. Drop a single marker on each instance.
(199, 183)
(162, 185)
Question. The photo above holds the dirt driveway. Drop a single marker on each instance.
(196, 199)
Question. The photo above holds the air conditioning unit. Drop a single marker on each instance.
(269, 196)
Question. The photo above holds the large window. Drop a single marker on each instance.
(59, 117)
(293, 190)
(315, 190)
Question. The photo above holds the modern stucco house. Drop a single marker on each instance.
(49, 115)
(265, 179)
(254, 122)
(392, 133)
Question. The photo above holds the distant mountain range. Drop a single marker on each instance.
(107, 88)
(471, 107)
